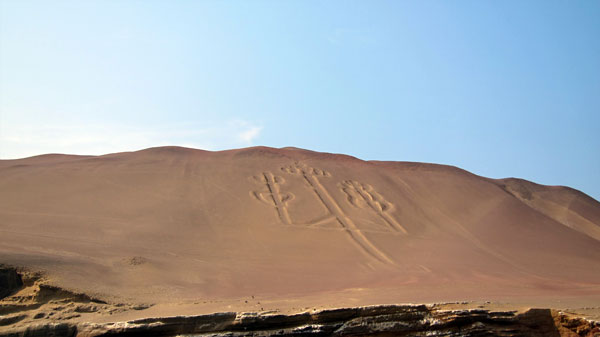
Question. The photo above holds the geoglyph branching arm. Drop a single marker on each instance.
(305, 170)
(364, 196)
(273, 195)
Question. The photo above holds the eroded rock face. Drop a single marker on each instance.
(35, 308)
(10, 281)
(405, 320)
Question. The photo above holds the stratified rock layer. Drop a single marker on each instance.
(404, 320)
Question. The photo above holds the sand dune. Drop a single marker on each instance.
(178, 225)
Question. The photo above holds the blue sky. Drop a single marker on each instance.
(500, 88)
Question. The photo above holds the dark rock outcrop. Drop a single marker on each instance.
(10, 281)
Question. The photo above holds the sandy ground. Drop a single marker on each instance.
(183, 231)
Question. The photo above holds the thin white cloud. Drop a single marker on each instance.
(249, 135)
(24, 141)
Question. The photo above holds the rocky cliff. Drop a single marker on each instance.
(396, 320)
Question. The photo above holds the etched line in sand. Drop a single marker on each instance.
(310, 175)
(363, 195)
(273, 195)
(319, 221)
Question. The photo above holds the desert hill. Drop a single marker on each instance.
(177, 225)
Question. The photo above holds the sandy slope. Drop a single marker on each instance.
(293, 227)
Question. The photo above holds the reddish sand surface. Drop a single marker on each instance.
(192, 231)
